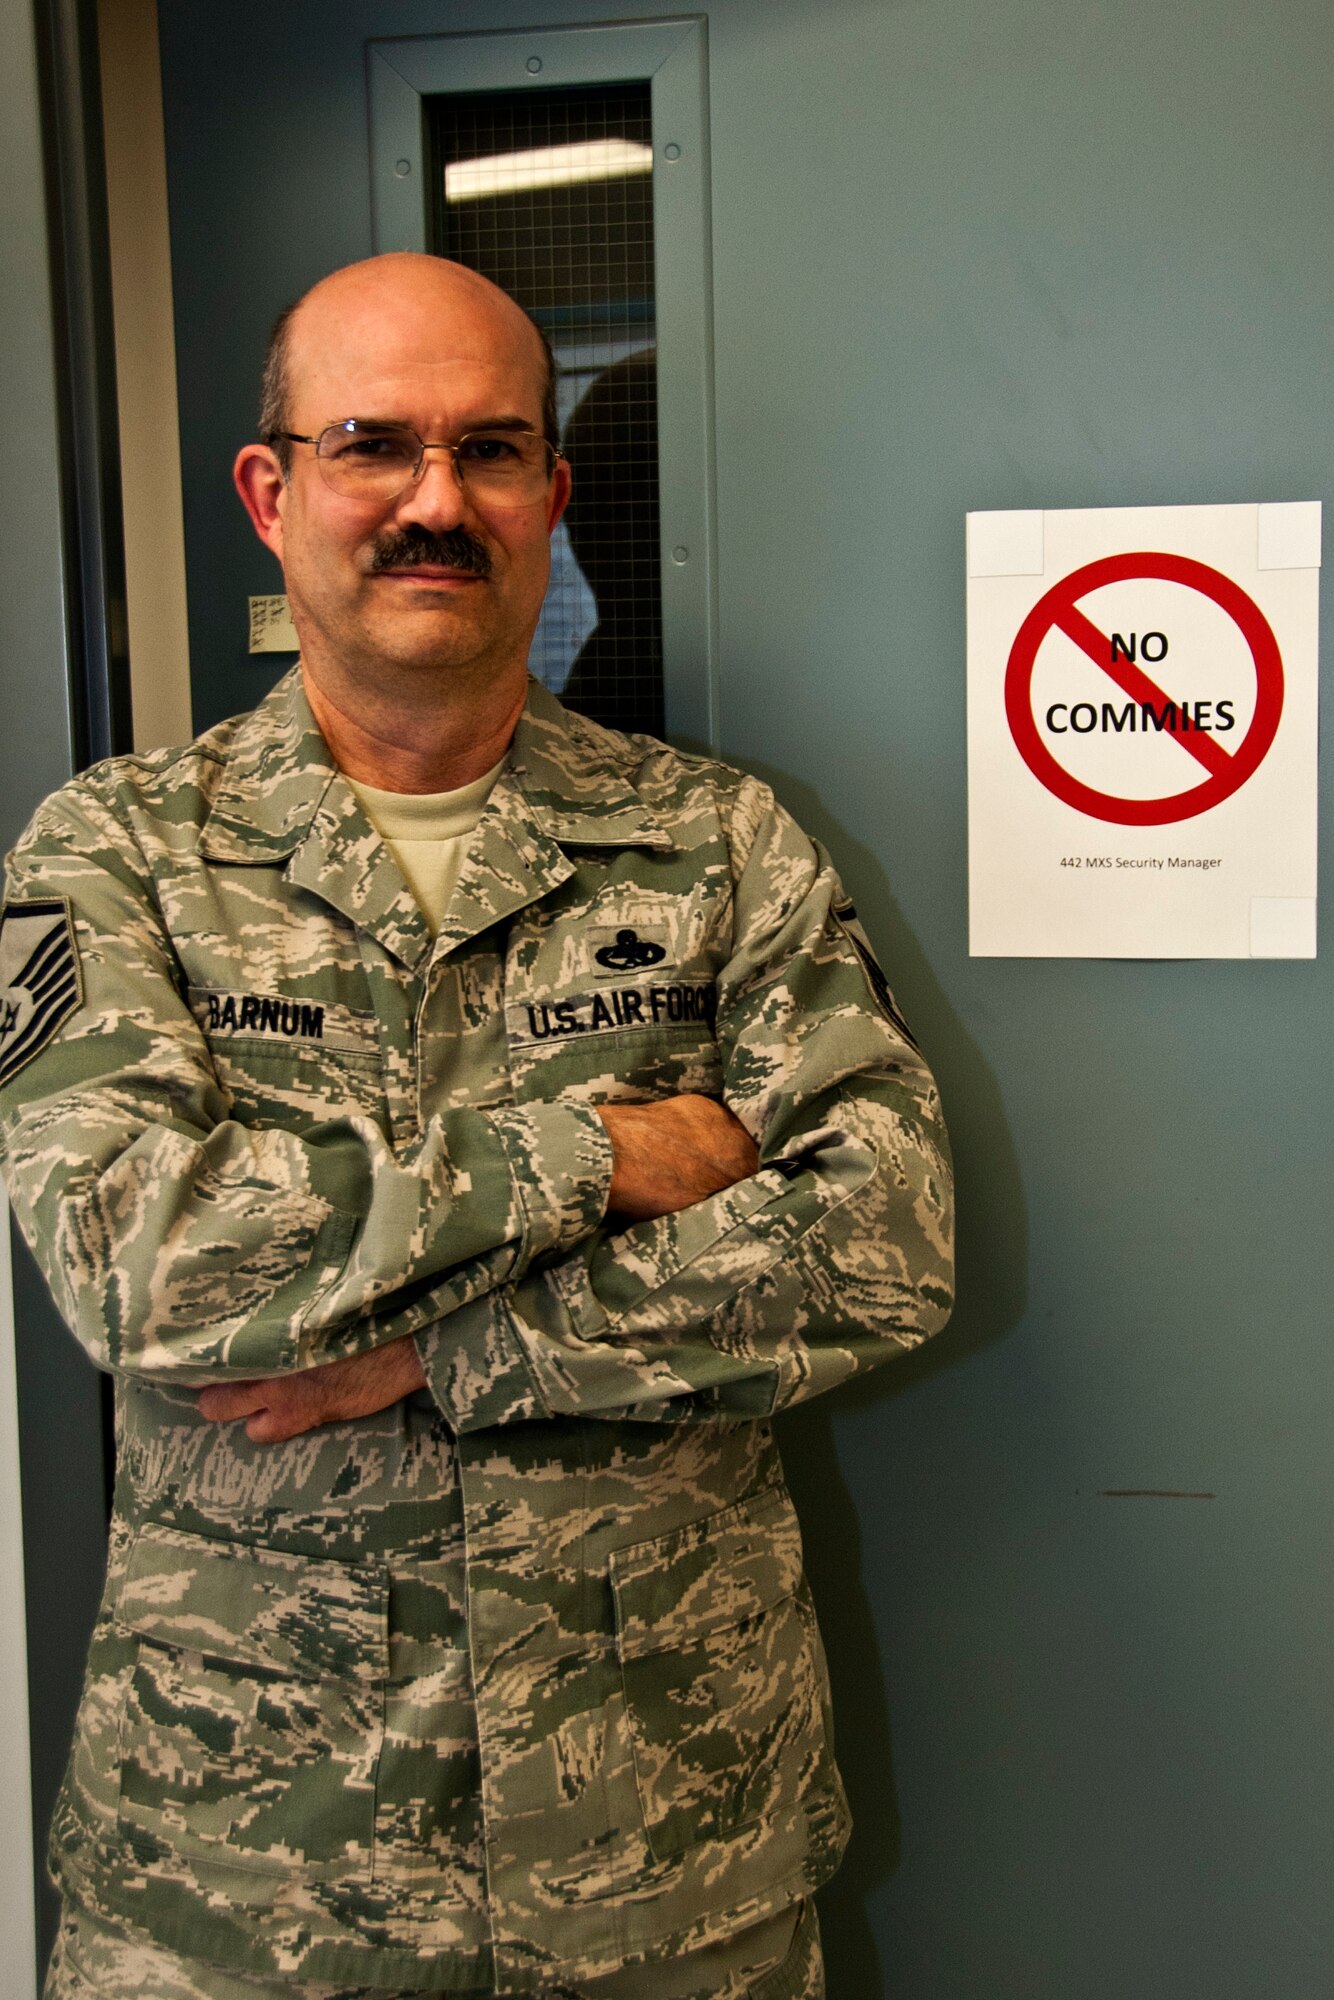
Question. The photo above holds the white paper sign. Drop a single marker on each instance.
(1142, 732)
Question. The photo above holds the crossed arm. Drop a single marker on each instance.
(314, 1275)
(666, 1157)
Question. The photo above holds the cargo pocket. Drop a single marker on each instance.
(723, 1683)
(254, 1717)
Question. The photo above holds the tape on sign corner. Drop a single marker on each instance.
(1283, 927)
(1287, 535)
(1006, 543)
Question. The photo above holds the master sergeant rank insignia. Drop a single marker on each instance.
(39, 978)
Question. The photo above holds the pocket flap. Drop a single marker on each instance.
(711, 1574)
(291, 1614)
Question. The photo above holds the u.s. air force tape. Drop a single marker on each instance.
(40, 985)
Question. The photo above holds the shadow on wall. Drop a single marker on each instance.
(992, 1294)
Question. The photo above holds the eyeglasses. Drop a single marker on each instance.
(367, 461)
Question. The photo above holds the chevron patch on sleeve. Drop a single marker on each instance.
(39, 978)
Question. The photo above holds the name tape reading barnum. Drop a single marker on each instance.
(1142, 731)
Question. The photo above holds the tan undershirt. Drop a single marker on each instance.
(427, 834)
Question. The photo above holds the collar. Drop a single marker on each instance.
(282, 799)
(277, 773)
(571, 783)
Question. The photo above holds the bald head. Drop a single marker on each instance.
(402, 295)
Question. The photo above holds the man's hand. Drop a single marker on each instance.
(673, 1153)
(290, 1404)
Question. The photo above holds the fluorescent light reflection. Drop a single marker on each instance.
(546, 166)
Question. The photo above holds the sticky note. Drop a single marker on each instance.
(271, 627)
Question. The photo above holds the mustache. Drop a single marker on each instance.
(453, 548)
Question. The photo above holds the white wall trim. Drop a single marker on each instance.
(141, 298)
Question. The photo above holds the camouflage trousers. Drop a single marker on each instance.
(771, 1961)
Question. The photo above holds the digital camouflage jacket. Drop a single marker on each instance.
(520, 1679)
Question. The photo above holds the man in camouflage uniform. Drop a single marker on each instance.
(450, 1262)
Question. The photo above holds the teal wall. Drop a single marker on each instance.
(1026, 254)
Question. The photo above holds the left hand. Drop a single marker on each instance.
(672, 1153)
(287, 1405)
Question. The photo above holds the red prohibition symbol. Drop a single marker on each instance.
(1226, 771)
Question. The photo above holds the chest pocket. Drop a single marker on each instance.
(635, 1039)
(289, 1061)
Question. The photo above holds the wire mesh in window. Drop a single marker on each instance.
(550, 194)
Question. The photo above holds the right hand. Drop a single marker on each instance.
(672, 1153)
(332, 1392)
